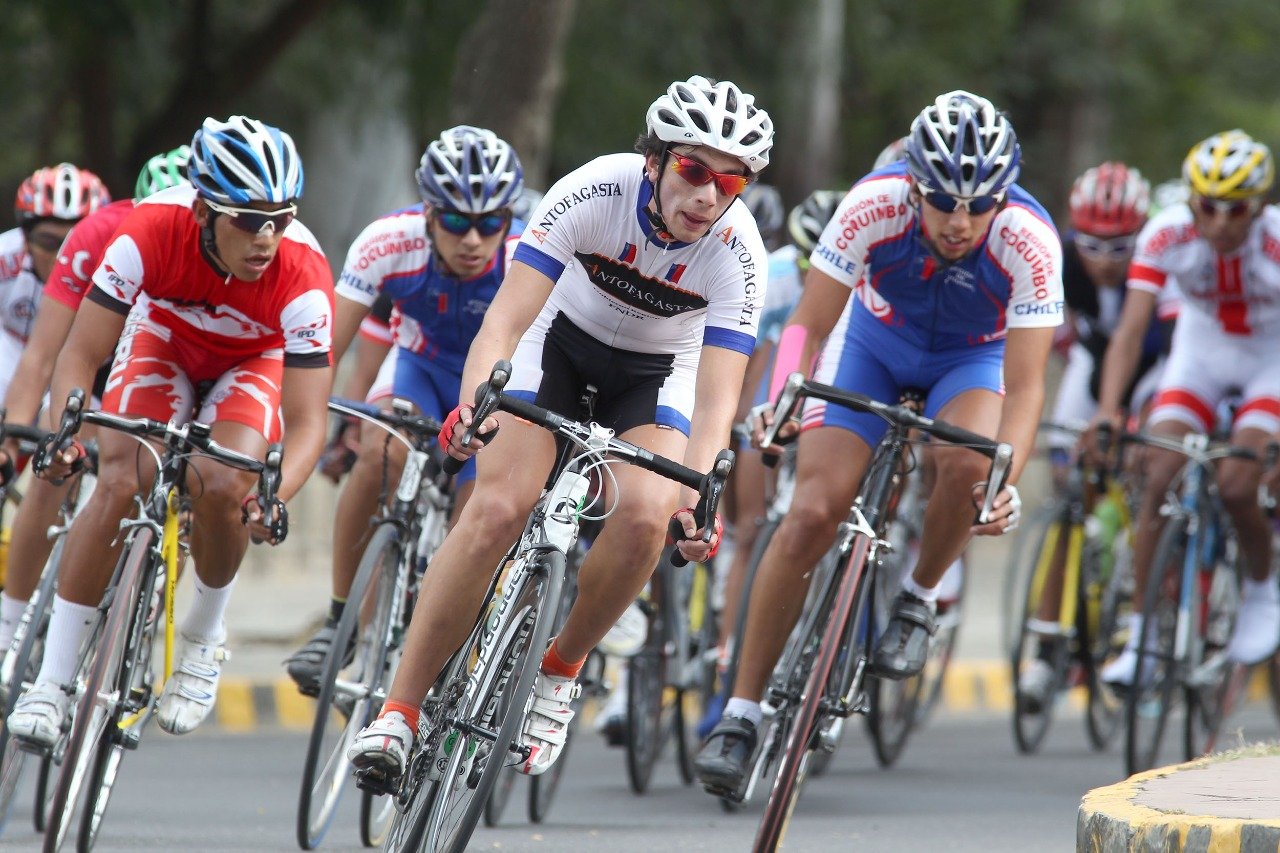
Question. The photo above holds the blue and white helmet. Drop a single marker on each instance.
(242, 160)
(469, 169)
(962, 146)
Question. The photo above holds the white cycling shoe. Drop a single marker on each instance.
(190, 692)
(1035, 686)
(39, 714)
(1257, 630)
(611, 720)
(547, 726)
(383, 744)
(626, 638)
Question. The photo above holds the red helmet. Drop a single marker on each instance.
(63, 191)
(1110, 200)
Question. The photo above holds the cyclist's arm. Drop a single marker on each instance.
(757, 365)
(521, 296)
(304, 396)
(368, 361)
(35, 368)
(345, 325)
(1124, 351)
(720, 372)
(94, 335)
(1026, 355)
(816, 314)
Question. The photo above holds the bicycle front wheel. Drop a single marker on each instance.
(482, 741)
(349, 694)
(1153, 692)
(837, 640)
(94, 731)
(648, 722)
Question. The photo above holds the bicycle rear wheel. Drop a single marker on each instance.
(1101, 603)
(837, 637)
(892, 704)
(349, 696)
(1031, 719)
(1214, 685)
(1151, 697)
(482, 740)
(94, 731)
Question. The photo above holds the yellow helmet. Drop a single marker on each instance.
(1229, 166)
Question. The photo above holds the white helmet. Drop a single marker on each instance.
(241, 160)
(698, 111)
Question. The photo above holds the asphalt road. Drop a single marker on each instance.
(960, 787)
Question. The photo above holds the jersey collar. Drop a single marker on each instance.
(642, 201)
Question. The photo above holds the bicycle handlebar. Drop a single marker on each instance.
(899, 415)
(193, 434)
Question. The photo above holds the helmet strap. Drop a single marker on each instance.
(209, 247)
(655, 216)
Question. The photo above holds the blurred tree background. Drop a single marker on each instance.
(363, 85)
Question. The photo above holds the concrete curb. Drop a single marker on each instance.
(1110, 820)
(972, 686)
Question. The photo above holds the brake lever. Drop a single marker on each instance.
(704, 513)
(488, 395)
(1000, 465)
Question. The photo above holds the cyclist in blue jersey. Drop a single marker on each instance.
(953, 267)
(440, 262)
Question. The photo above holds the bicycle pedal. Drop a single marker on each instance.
(730, 794)
(376, 781)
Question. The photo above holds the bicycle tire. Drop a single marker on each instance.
(525, 627)
(1030, 727)
(27, 659)
(325, 769)
(94, 717)
(648, 725)
(1147, 705)
(891, 711)
(799, 744)
(693, 685)
(1104, 708)
(1210, 702)
(942, 648)
(543, 788)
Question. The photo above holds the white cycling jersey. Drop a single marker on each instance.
(19, 299)
(1228, 332)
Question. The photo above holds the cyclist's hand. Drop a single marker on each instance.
(760, 419)
(64, 462)
(259, 524)
(1006, 511)
(691, 547)
(455, 425)
(340, 453)
(1088, 443)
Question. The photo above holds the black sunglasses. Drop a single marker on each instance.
(459, 224)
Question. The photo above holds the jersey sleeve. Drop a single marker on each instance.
(562, 222)
(368, 263)
(120, 277)
(1029, 252)
(874, 210)
(736, 298)
(1148, 270)
(72, 274)
(307, 324)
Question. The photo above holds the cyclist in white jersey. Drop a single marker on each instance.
(48, 203)
(948, 262)
(1222, 250)
(638, 274)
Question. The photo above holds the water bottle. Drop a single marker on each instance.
(1102, 526)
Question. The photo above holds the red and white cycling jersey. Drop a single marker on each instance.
(155, 266)
(1239, 293)
(72, 275)
(19, 287)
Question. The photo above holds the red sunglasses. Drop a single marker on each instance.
(699, 175)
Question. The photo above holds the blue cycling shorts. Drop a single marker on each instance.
(430, 387)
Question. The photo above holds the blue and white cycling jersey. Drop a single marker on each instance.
(437, 315)
(1012, 279)
(915, 321)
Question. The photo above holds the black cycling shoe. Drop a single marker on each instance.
(306, 665)
(724, 762)
(904, 645)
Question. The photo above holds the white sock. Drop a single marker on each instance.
(205, 618)
(745, 709)
(11, 610)
(69, 627)
(924, 593)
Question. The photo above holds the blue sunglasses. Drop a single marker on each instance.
(972, 206)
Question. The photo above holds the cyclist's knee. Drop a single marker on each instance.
(813, 518)
(1239, 493)
(495, 516)
(221, 493)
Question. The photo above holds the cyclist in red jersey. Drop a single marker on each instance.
(219, 306)
(64, 289)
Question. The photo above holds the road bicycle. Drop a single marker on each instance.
(115, 695)
(1188, 614)
(1082, 560)
(24, 655)
(367, 641)
(821, 673)
(470, 721)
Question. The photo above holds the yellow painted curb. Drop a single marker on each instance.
(1109, 822)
